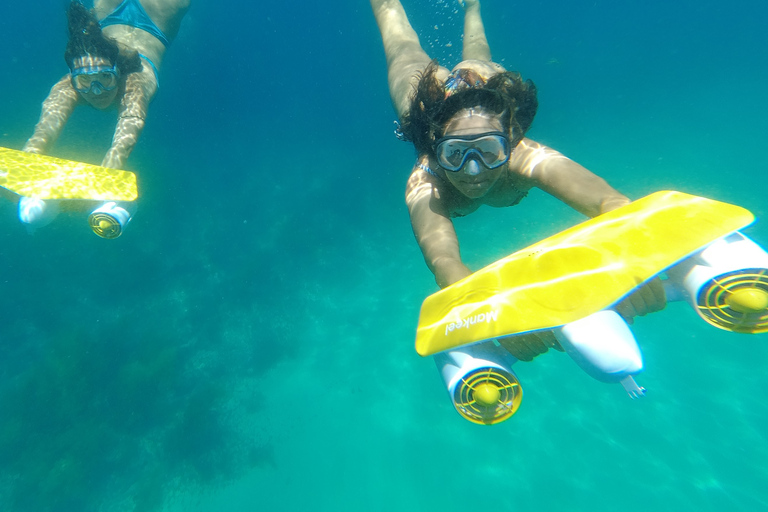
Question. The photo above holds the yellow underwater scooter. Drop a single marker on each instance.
(567, 285)
(44, 181)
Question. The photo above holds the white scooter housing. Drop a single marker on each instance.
(726, 283)
(603, 346)
(480, 382)
(110, 219)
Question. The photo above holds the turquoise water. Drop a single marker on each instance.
(248, 343)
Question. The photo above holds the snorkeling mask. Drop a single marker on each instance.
(95, 79)
(491, 148)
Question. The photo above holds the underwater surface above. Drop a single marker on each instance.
(247, 344)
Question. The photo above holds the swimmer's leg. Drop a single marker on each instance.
(405, 56)
(475, 44)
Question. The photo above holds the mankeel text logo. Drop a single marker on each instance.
(466, 323)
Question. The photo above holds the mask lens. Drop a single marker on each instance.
(493, 150)
(451, 154)
(106, 79)
(82, 82)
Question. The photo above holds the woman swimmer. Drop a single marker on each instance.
(113, 55)
(468, 126)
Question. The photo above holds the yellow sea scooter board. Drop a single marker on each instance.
(566, 286)
(578, 272)
(39, 178)
(45, 177)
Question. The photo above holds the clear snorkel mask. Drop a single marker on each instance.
(94, 79)
(490, 148)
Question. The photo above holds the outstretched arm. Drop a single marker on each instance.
(57, 108)
(140, 87)
(433, 228)
(565, 179)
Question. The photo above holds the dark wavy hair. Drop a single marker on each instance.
(505, 94)
(85, 37)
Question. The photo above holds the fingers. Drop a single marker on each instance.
(647, 299)
(659, 295)
(526, 346)
(626, 310)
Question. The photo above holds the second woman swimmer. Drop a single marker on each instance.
(113, 54)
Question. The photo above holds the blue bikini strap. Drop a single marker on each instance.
(154, 69)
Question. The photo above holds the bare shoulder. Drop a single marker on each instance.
(140, 87)
(63, 92)
(420, 184)
(529, 159)
(425, 188)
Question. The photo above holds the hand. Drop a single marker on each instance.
(29, 148)
(529, 345)
(36, 213)
(647, 299)
(31, 209)
(448, 272)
